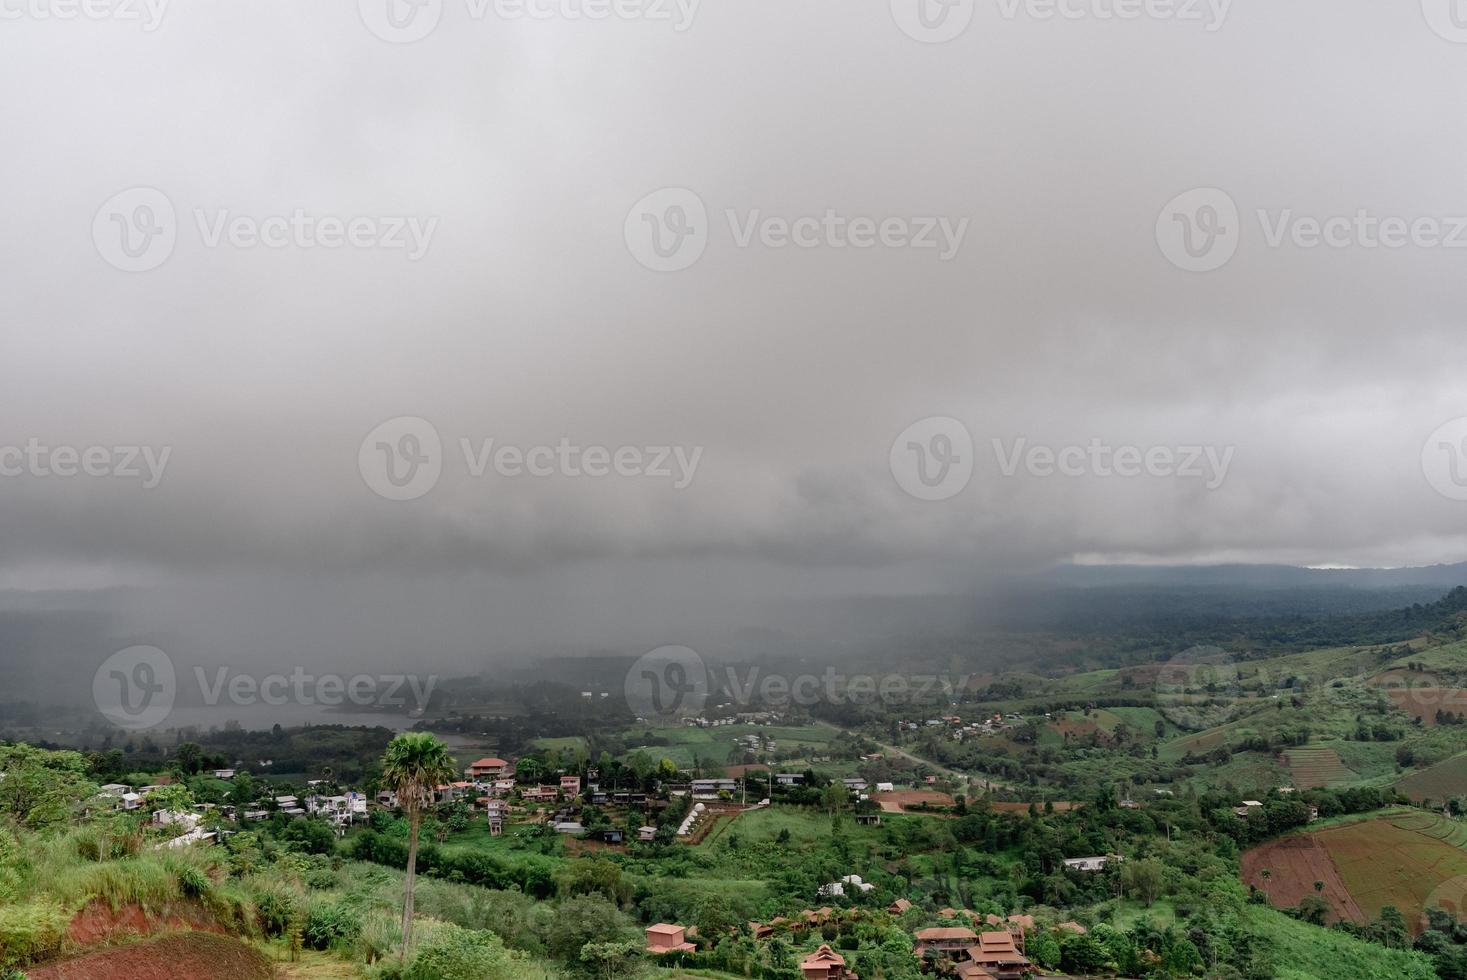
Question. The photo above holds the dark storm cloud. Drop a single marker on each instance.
(527, 319)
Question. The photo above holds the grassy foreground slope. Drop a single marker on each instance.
(1305, 952)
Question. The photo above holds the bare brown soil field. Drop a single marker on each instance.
(1060, 806)
(898, 801)
(1294, 865)
(184, 956)
(1425, 702)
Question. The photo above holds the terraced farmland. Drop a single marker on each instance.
(1315, 767)
(1436, 826)
(1401, 860)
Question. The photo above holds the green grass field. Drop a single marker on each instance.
(685, 745)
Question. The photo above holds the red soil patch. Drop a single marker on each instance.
(1061, 806)
(1425, 702)
(1295, 864)
(188, 956)
(898, 801)
(739, 772)
(98, 923)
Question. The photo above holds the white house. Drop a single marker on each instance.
(1087, 863)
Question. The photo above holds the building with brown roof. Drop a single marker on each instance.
(998, 954)
(945, 940)
(489, 769)
(826, 964)
(667, 938)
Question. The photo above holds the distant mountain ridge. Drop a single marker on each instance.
(1256, 576)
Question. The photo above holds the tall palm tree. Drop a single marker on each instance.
(413, 766)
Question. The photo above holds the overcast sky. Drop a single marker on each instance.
(1053, 309)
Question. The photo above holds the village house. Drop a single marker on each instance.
(666, 938)
(570, 785)
(837, 889)
(1087, 864)
(899, 907)
(489, 768)
(789, 778)
(646, 834)
(760, 931)
(949, 941)
(710, 788)
(223, 773)
(998, 956)
(540, 794)
(825, 964)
